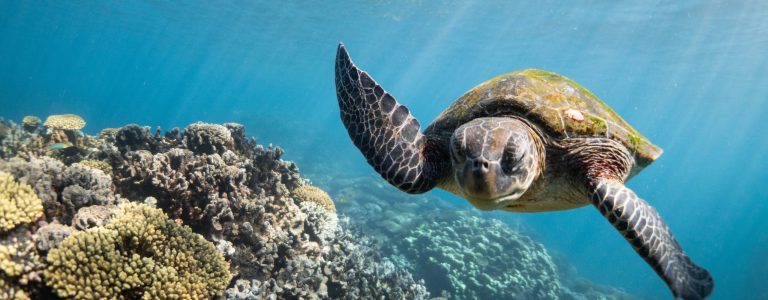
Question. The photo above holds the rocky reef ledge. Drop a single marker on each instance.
(198, 213)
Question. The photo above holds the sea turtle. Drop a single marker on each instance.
(526, 141)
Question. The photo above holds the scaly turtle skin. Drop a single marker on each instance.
(526, 141)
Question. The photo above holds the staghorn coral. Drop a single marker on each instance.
(139, 254)
(64, 122)
(18, 203)
(316, 195)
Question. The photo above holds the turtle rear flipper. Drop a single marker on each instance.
(385, 131)
(650, 236)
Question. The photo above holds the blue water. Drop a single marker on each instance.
(690, 75)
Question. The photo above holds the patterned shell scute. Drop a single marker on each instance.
(561, 107)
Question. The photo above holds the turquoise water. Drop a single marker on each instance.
(690, 76)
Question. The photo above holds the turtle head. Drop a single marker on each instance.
(495, 160)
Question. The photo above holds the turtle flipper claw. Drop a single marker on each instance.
(384, 130)
(650, 236)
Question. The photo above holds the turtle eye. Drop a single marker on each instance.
(510, 161)
(458, 155)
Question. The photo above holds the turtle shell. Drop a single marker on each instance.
(557, 105)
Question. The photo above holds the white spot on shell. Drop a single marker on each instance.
(574, 114)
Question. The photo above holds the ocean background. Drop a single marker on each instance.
(690, 75)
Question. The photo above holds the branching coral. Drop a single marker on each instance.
(316, 195)
(139, 254)
(18, 203)
(10, 291)
(65, 122)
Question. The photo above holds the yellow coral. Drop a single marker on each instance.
(98, 165)
(10, 291)
(65, 122)
(316, 195)
(139, 254)
(18, 203)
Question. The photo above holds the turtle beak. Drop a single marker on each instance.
(485, 184)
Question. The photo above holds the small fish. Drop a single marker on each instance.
(58, 146)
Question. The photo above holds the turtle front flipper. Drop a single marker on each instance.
(385, 131)
(649, 235)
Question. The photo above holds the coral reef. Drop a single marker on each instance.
(139, 254)
(280, 235)
(316, 195)
(474, 258)
(18, 203)
(19, 260)
(457, 251)
(235, 193)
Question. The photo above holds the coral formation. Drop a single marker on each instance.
(98, 165)
(30, 123)
(63, 190)
(456, 250)
(235, 193)
(474, 258)
(208, 138)
(19, 263)
(64, 122)
(10, 291)
(281, 236)
(18, 203)
(316, 195)
(51, 235)
(139, 254)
